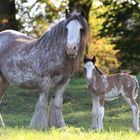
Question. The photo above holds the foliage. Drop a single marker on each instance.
(7, 15)
(101, 47)
(18, 106)
(35, 16)
(84, 5)
(122, 24)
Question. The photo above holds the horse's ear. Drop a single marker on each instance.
(83, 13)
(67, 14)
(85, 59)
(93, 59)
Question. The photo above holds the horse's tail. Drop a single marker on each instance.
(137, 86)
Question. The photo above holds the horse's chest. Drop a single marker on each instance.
(61, 75)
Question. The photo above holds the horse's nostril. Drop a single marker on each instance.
(74, 48)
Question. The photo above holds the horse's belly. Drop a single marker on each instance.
(112, 94)
(25, 79)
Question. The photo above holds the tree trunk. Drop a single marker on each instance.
(7, 15)
(85, 5)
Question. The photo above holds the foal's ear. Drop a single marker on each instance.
(67, 14)
(83, 13)
(93, 59)
(85, 59)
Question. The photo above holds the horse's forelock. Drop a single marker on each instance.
(81, 20)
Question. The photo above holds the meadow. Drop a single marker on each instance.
(18, 106)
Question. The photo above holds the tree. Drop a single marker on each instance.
(122, 23)
(7, 15)
(84, 5)
(36, 16)
(99, 46)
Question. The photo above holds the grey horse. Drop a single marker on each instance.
(44, 63)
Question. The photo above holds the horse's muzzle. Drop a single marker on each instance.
(72, 51)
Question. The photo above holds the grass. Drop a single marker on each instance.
(18, 106)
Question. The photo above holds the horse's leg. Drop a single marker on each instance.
(95, 102)
(39, 119)
(3, 86)
(40, 116)
(58, 120)
(135, 110)
(100, 112)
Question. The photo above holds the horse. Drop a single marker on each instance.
(44, 63)
(104, 87)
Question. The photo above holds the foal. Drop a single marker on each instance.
(108, 88)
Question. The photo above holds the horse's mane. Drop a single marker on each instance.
(51, 36)
(56, 36)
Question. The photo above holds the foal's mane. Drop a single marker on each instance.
(99, 71)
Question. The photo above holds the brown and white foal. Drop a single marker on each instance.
(108, 88)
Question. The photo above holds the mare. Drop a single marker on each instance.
(43, 63)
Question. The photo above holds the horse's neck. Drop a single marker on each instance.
(98, 77)
(98, 82)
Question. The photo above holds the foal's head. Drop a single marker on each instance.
(89, 66)
(76, 30)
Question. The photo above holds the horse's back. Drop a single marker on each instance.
(12, 34)
(10, 39)
(129, 84)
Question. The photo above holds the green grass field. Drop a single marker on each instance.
(18, 107)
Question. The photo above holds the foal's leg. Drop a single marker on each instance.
(135, 110)
(3, 86)
(94, 115)
(100, 112)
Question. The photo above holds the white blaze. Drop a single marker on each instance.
(89, 68)
(73, 37)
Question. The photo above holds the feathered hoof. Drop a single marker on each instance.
(135, 129)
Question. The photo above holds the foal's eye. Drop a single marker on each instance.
(81, 31)
(85, 69)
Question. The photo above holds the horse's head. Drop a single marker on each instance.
(89, 66)
(76, 30)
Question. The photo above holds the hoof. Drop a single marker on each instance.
(135, 129)
(93, 129)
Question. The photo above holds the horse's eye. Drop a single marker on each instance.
(81, 30)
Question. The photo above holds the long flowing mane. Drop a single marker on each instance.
(52, 36)
(56, 36)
